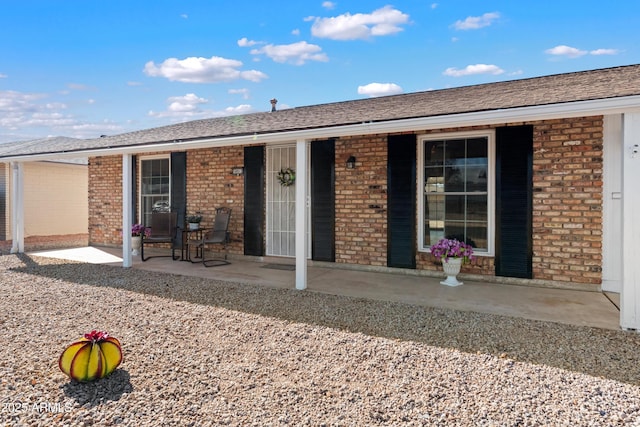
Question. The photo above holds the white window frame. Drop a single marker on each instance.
(139, 178)
(491, 188)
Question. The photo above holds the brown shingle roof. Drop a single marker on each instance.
(556, 89)
(41, 145)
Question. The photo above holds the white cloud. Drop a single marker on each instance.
(329, 5)
(475, 69)
(240, 109)
(381, 22)
(189, 107)
(186, 103)
(244, 92)
(245, 42)
(604, 52)
(476, 22)
(79, 86)
(434, 5)
(572, 52)
(33, 115)
(55, 106)
(568, 51)
(295, 32)
(184, 16)
(295, 53)
(379, 89)
(202, 70)
(3, 76)
(90, 130)
(17, 109)
(134, 84)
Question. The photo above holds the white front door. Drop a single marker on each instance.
(281, 202)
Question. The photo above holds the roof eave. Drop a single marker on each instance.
(479, 118)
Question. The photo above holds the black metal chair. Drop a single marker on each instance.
(163, 230)
(219, 235)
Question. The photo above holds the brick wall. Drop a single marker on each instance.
(567, 200)
(105, 200)
(211, 185)
(361, 201)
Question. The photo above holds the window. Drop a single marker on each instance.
(155, 187)
(456, 189)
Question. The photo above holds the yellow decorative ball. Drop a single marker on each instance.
(93, 356)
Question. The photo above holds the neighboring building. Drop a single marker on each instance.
(538, 173)
(55, 202)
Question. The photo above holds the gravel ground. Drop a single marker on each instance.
(201, 352)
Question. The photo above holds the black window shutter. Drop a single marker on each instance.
(254, 201)
(514, 189)
(401, 201)
(179, 189)
(323, 200)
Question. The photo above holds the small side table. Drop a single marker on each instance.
(192, 238)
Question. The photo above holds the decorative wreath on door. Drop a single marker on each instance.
(287, 177)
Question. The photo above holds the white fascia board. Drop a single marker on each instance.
(511, 115)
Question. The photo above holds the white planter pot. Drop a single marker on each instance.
(451, 269)
(136, 241)
(194, 225)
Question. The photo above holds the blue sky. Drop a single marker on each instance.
(86, 68)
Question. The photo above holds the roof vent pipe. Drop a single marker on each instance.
(273, 104)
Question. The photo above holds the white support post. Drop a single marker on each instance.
(301, 214)
(630, 295)
(17, 208)
(126, 210)
(612, 204)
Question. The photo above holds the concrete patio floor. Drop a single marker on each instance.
(583, 308)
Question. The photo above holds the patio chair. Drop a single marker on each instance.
(219, 235)
(163, 230)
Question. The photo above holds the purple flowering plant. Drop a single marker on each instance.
(139, 230)
(452, 248)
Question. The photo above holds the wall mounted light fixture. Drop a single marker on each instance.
(351, 162)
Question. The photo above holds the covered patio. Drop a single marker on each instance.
(573, 307)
